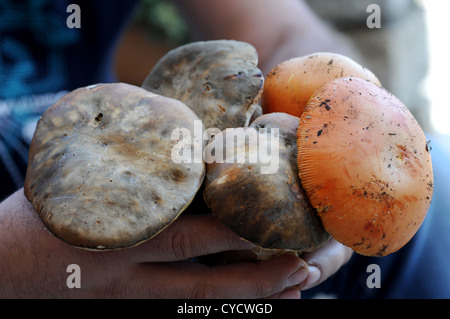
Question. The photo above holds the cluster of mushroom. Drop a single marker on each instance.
(351, 162)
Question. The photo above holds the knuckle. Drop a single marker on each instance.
(181, 245)
(264, 289)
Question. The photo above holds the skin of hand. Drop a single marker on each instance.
(324, 262)
(33, 263)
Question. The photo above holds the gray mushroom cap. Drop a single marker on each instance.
(269, 209)
(101, 174)
(219, 80)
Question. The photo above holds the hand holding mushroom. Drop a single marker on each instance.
(158, 268)
(354, 167)
(357, 171)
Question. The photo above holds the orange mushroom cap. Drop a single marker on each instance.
(364, 163)
(290, 84)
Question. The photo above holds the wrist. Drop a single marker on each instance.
(20, 258)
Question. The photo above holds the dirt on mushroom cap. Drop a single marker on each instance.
(290, 84)
(219, 80)
(364, 164)
(100, 173)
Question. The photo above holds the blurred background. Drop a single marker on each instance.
(408, 53)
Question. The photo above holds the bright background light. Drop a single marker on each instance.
(437, 83)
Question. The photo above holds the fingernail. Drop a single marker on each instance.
(297, 277)
(313, 277)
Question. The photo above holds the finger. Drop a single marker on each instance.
(324, 262)
(239, 280)
(288, 293)
(189, 236)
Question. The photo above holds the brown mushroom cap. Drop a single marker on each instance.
(217, 79)
(268, 209)
(100, 172)
(364, 163)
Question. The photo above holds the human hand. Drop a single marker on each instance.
(324, 262)
(34, 263)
